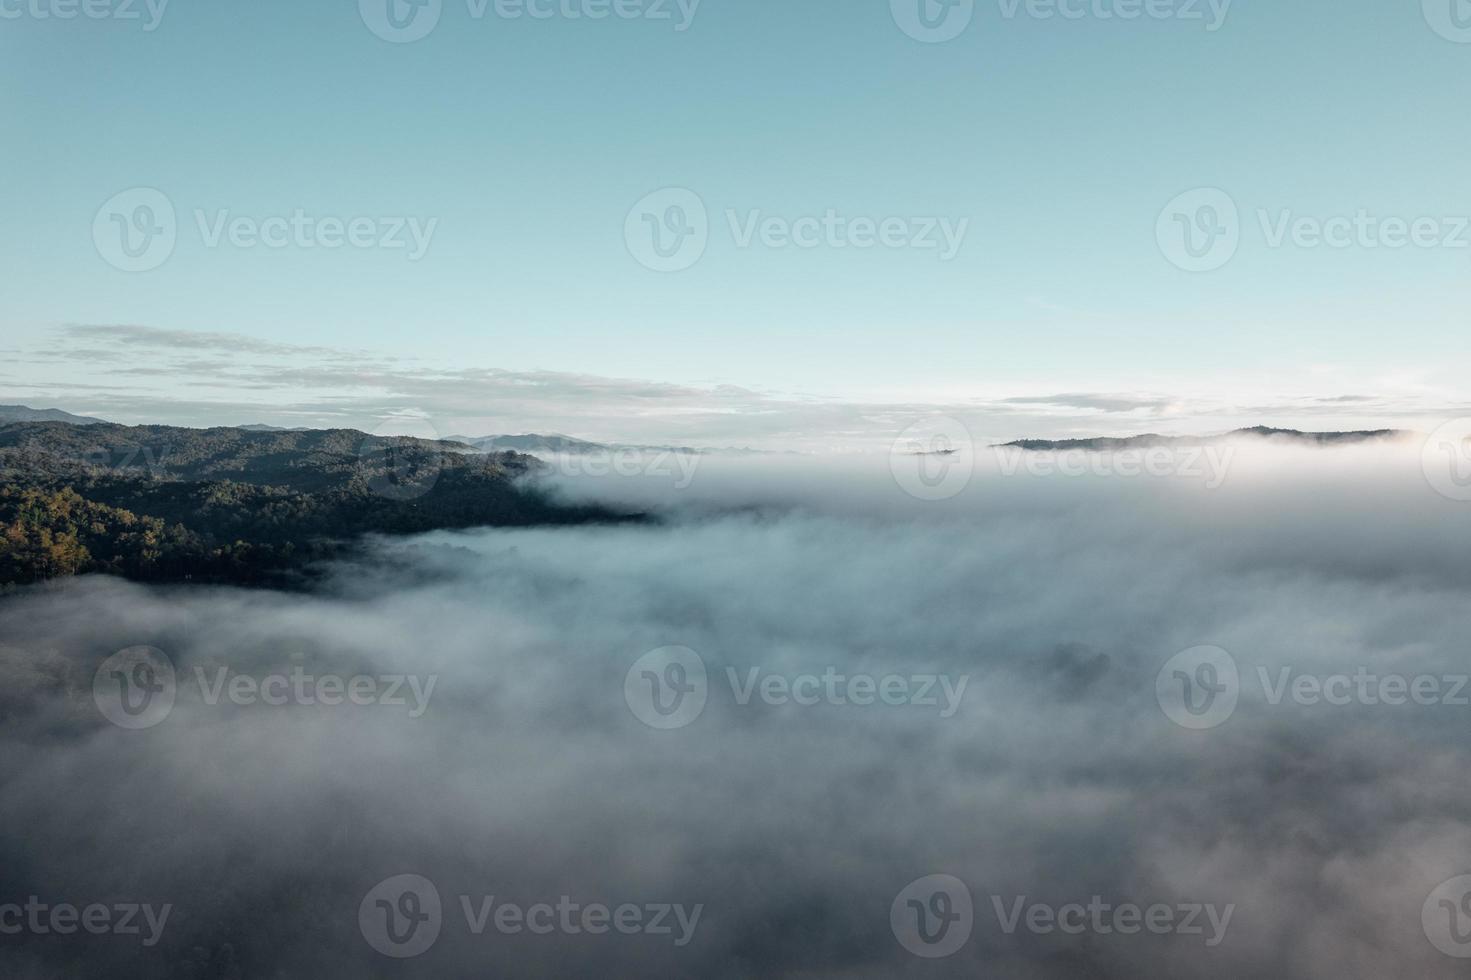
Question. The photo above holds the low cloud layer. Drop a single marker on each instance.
(791, 813)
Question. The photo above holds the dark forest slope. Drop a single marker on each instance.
(236, 505)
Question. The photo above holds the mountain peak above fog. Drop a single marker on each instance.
(553, 442)
(1149, 439)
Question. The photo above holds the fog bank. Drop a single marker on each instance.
(1015, 735)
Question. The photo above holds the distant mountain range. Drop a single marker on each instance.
(567, 445)
(20, 413)
(531, 443)
(556, 443)
(1255, 432)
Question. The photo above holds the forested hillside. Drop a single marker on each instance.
(226, 504)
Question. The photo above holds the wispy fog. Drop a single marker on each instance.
(1015, 631)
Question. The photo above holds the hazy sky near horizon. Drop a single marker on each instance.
(1042, 157)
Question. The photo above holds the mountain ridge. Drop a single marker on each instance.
(228, 504)
(1152, 439)
(24, 413)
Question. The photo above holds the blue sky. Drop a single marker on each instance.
(524, 143)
